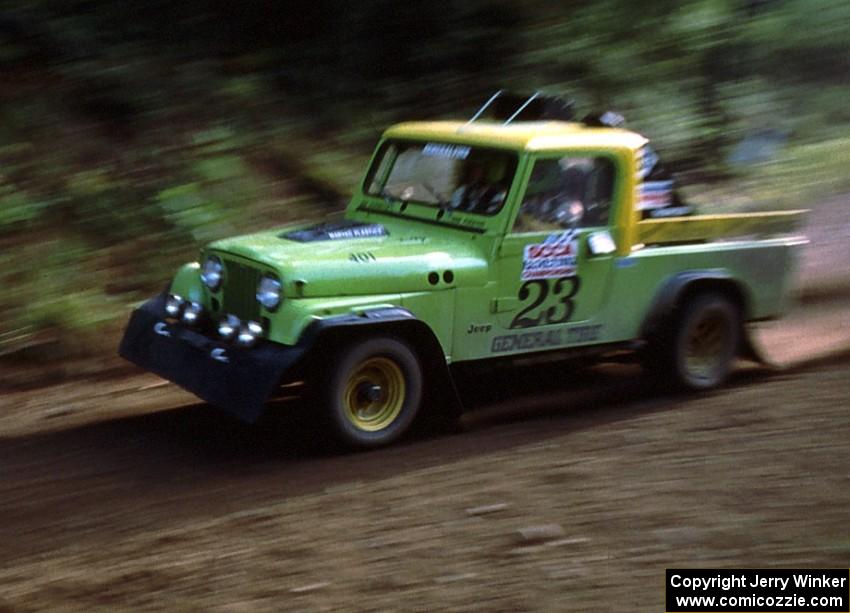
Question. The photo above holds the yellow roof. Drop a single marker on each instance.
(531, 136)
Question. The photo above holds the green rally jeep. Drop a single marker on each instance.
(469, 242)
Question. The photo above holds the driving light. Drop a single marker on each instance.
(192, 313)
(249, 334)
(228, 327)
(173, 305)
(212, 272)
(268, 292)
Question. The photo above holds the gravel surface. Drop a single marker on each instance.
(564, 505)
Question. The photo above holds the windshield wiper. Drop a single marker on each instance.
(442, 201)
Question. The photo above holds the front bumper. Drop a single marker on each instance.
(237, 380)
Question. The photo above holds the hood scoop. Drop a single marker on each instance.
(335, 231)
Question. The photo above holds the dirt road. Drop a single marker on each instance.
(557, 501)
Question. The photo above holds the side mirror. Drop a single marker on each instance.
(601, 243)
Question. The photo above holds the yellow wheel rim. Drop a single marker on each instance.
(374, 394)
(706, 344)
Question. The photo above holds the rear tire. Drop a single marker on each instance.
(706, 341)
(372, 392)
(698, 350)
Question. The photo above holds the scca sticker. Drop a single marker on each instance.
(554, 257)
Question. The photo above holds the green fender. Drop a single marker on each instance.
(323, 336)
(678, 287)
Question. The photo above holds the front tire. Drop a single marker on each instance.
(372, 392)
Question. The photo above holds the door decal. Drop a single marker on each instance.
(532, 315)
(554, 257)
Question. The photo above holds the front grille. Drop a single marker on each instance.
(240, 289)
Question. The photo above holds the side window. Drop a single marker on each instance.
(561, 190)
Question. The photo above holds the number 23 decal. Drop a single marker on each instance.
(532, 315)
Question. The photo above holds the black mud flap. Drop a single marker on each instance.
(236, 380)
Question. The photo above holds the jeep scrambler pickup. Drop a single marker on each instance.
(468, 242)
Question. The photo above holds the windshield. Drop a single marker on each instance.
(463, 178)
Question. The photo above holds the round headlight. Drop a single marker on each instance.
(268, 292)
(212, 272)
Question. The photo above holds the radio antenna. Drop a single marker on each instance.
(521, 108)
(484, 108)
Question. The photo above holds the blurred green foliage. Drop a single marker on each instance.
(132, 133)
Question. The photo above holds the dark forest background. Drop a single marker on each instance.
(133, 132)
